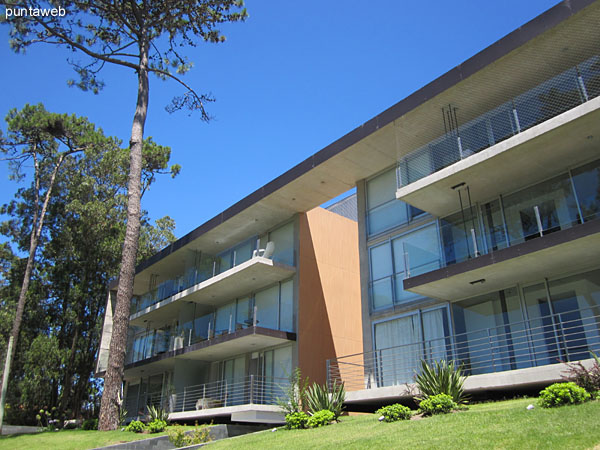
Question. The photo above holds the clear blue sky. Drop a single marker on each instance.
(290, 80)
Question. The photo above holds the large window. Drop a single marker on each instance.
(383, 210)
(283, 238)
(394, 260)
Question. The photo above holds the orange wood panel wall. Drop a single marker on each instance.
(329, 308)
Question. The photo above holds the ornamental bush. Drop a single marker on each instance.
(135, 426)
(559, 394)
(392, 413)
(89, 424)
(321, 418)
(156, 426)
(437, 404)
(296, 420)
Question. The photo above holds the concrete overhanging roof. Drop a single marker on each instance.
(382, 140)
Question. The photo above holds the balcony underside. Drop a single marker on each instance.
(569, 250)
(567, 140)
(247, 277)
(215, 349)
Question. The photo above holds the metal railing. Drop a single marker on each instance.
(252, 389)
(154, 342)
(567, 336)
(548, 99)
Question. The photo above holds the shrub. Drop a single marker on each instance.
(135, 426)
(199, 435)
(442, 378)
(321, 418)
(156, 426)
(89, 424)
(559, 394)
(296, 420)
(157, 413)
(589, 379)
(437, 404)
(295, 394)
(392, 413)
(319, 398)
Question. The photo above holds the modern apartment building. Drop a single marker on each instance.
(221, 318)
(478, 240)
(479, 225)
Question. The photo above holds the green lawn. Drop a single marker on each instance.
(506, 424)
(71, 439)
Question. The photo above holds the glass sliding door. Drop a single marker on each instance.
(586, 180)
(490, 335)
(542, 209)
(576, 302)
(436, 332)
(398, 349)
(544, 341)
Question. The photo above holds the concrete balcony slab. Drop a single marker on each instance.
(242, 279)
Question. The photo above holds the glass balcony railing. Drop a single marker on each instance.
(548, 99)
(207, 267)
(147, 344)
(562, 202)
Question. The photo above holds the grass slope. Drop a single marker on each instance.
(493, 425)
(497, 425)
(71, 439)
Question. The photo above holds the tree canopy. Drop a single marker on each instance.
(78, 255)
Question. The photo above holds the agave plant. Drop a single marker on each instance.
(320, 397)
(157, 413)
(442, 377)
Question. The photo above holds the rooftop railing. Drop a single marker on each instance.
(566, 337)
(548, 99)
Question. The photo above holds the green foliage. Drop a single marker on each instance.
(90, 424)
(319, 398)
(559, 394)
(78, 254)
(156, 426)
(199, 435)
(441, 378)
(46, 419)
(320, 419)
(122, 415)
(157, 413)
(393, 413)
(296, 420)
(589, 379)
(42, 363)
(437, 404)
(135, 427)
(294, 399)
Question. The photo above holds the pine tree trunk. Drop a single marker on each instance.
(36, 231)
(113, 379)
